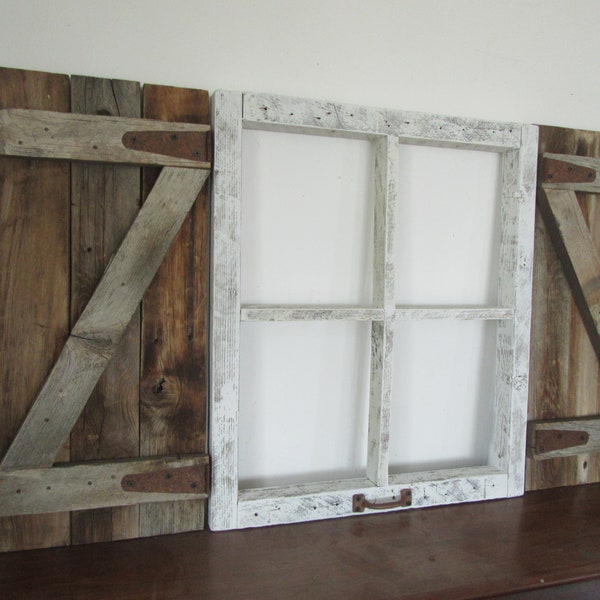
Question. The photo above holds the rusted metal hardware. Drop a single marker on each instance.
(180, 480)
(190, 145)
(560, 171)
(548, 440)
(359, 502)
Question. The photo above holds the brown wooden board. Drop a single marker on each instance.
(104, 202)
(96, 335)
(173, 387)
(34, 284)
(564, 369)
(52, 258)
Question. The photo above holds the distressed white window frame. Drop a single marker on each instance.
(232, 508)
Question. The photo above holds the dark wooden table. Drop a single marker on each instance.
(547, 541)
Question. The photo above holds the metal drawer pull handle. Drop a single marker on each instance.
(359, 502)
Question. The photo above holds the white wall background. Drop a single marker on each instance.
(516, 60)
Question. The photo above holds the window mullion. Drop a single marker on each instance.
(382, 331)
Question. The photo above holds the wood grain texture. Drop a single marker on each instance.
(174, 375)
(458, 313)
(225, 308)
(400, 313)
(564, 371)
(514, 289)
(310, 313)
(97, 138)
(333, 499)
(462, 552)
(104, 202)
(104, 320)
(382, 332)
(575, 247)
(95, 484)
(34, 284)
(312, 116)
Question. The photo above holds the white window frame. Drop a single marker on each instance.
(232, 508)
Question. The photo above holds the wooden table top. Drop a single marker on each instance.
(487, 549)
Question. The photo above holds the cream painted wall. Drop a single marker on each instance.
(517, 60)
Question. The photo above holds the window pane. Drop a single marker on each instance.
(447, 226)
(303, 402)
(443, 385)
(307, 219)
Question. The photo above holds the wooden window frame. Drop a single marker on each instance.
(231, 508)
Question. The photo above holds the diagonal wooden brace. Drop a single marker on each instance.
(98, 331)
(577, 251)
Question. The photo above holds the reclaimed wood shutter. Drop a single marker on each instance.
(565, 370)
(151, 399)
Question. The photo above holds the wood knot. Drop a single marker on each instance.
(157, 388)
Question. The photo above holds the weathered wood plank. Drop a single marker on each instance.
(44, 134)
(288, 113)
(588, 371)
(100, 484)
(515, 283)
(34, 285)
(345, 313)
(225, 308)
(558, 438)
(105, 200)
(333, 499)
(104, 320)
(312, 313)
(564, 367)
(174, 376)
(382, 332)
(575, 246)
(460, 313)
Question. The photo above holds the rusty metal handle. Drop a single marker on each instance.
(359, 502)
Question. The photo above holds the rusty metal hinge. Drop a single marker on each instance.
(178, 480)
(359, 502)
(190, 145)
(560, 171)
(548, 440)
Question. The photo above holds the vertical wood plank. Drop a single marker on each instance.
(225, 308)
(174, 372)
(513, 336)
(105, 200)
(564, 369)
(382, 332)
(34, 285)
(99, 329)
